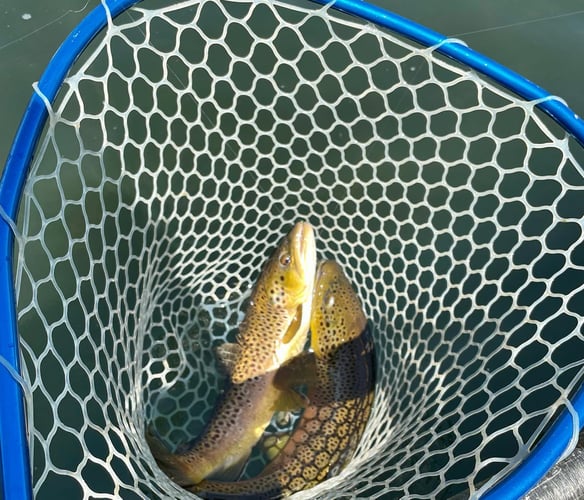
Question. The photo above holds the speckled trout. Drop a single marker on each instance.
(340, 400)
(274, 330)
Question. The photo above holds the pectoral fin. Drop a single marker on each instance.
(291, 400)
(233, 472)
(227, 354)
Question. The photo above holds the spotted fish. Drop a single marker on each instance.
(340, 400)
(274, 330)
(276, 323)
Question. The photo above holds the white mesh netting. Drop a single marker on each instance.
(183, 146)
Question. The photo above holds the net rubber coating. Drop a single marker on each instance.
(471, 276)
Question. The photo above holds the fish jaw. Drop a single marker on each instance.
(304, 251)
(276, 323)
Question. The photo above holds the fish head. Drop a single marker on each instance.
(337, 314)
(276, 324)
(291, 270)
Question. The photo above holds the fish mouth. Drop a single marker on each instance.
(304, 250)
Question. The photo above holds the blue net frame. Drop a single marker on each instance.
(14, 456)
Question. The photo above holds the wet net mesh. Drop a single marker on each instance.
(184, 144)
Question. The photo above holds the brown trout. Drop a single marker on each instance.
(340, 401)
(277, 319)
(274, 329)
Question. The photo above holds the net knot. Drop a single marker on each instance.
(446, 41)
(108, 13)
(27, 393)
(8, 220)
(46, 102)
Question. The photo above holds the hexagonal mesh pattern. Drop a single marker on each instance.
(186, 143)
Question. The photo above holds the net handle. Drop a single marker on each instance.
(14, 453)
(528, 90)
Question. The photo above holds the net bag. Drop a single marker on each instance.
(180, 146)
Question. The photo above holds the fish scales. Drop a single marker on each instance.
(279, 307)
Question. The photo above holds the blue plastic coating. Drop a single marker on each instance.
(16, 473)
(13, 445)
(542, 458)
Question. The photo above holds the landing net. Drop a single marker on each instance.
(188, 139)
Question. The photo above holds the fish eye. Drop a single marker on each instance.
(285, 259)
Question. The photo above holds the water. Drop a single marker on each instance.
(538, 39)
